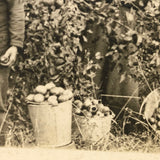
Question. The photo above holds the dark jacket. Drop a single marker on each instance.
(11, 23)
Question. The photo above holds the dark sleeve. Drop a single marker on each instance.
(16, 22)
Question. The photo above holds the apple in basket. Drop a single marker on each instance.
(49, 94)
(91, 107)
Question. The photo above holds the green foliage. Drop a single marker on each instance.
(52, 52)
(135, 36)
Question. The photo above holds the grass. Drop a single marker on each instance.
(131, 143)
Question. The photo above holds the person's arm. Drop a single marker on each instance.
(16, 22)
(16, 31)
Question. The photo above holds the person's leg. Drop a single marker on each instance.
(4, 74)
(3, 129)
(115, 85)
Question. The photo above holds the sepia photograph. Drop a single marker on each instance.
(80, 79)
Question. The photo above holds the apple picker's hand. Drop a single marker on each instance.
(9, 58)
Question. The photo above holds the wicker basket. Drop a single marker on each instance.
(150, 103)
(94, 129)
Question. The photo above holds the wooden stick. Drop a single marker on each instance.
(78, 126)
(119, 96)
(5, 116)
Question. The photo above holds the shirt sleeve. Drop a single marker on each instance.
(16, 22)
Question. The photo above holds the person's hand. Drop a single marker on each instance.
(9, 58)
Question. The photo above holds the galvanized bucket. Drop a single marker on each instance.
(52, 125)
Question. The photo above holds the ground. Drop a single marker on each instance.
(50, 154)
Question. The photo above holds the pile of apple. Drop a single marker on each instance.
(91, 107)
(155, 119)
(50, 94)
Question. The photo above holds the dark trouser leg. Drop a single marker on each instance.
(97, 42)
(126, 87)
(3, 127)
(4, 74)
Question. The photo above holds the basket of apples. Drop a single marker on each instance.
(93, 118)
(50, 110)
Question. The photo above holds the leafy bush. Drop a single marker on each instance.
(53, 52)
(55, 35)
